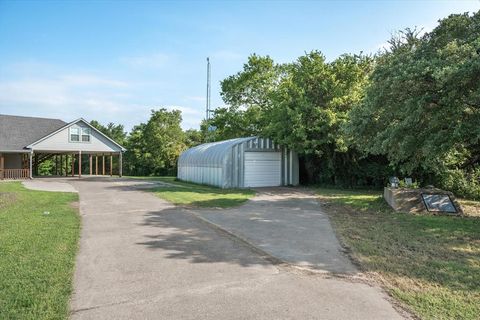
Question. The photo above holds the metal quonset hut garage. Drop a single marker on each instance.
(239, 163)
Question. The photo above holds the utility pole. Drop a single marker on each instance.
(208, 91)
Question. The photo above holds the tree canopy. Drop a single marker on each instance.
(422, 106)
(423, 101)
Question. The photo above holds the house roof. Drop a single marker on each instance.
(17, 132)
(68, 125)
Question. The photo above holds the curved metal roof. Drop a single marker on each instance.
(210, 154)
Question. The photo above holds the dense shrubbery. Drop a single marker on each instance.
(466, 184)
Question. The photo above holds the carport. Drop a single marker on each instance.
(71, 149)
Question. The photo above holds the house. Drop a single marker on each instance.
(240, 163)
(73, 148)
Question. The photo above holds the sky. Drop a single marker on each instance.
(114, 61)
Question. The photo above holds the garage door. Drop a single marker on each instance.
(262, 169)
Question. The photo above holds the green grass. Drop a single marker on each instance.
(194, 195)
(430, 263)
(37, 252)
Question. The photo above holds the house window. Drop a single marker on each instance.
(74, 134)
(85, 134)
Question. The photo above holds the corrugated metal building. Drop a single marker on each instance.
(239, 163)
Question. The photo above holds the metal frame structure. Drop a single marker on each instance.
(222, 163)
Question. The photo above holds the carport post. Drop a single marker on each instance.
(73, 164)
(79, 164)
(120, 164)
(90, 163)
(31, 164)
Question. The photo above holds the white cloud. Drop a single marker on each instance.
(68, 97)
(47, 91)
(156, 60)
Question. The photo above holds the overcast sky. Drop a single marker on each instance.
(115, 61)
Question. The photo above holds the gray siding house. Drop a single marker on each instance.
(74, 148)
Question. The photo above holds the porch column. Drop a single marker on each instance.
(31, 164)
(111, 165)
(2, 163)
(73, 164)
(96, 165)
(120, 164)
(79, 164)
(90, 163)
(103, 164)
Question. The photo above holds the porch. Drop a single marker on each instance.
(19, 166)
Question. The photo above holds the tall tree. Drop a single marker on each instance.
(154, 147)
(311, 106)
(422, 108)
(247, 96)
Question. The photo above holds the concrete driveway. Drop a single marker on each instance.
(142, 258)
(288, 224)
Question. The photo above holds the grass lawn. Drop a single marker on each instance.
(195, 195)
(37, 252)
(430, 263)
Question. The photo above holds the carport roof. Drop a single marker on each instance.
(17, 132)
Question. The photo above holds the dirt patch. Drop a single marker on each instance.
(470, 208)
(6, 198)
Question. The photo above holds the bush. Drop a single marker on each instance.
(461, 183)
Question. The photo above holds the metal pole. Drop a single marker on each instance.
(208, 91)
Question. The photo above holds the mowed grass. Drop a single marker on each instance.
(37, 252)
(195, 195)
(430, 263)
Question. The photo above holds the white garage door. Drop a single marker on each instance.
(262, 169)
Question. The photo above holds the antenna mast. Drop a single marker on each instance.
(208, 91)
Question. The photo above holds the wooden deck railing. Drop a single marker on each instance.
(14, 174)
